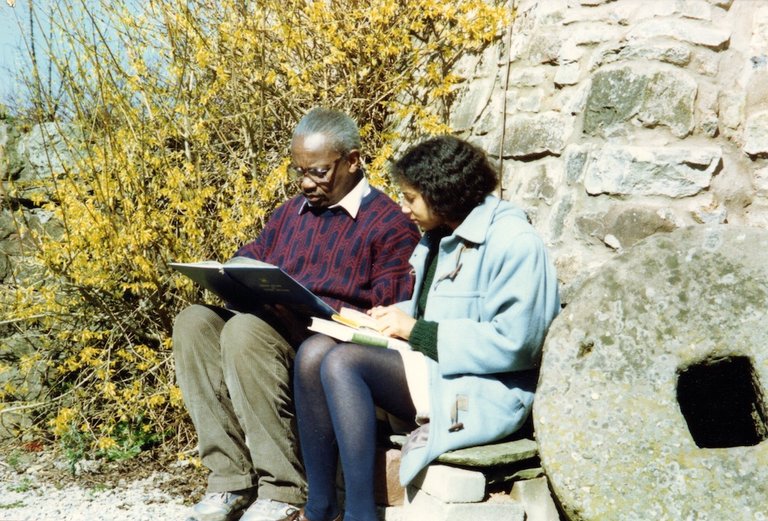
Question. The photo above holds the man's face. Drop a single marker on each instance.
(324, 175)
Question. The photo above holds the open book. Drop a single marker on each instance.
(246, 284)
(350, 325)
(356, 319)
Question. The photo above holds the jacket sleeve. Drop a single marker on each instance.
(516, 302)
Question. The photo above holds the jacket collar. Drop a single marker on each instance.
(475, 226)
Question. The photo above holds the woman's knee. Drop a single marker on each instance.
(311, 353)
(343, 360)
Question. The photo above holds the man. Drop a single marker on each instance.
(349, 244)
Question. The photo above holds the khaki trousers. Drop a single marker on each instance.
(234, 371)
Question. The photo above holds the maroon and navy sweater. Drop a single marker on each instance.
(359, 263)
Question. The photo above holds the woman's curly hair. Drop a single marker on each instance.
(452, 175)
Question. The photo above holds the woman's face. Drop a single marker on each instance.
(417, 209)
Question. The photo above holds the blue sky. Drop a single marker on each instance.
(14, 41)
(14, 38)
(12, 55)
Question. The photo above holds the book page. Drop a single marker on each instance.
(357, 319)
(199, 264)
(247, 262)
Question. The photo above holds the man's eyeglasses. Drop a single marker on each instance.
(317, 175)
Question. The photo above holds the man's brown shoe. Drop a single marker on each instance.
(298, 515)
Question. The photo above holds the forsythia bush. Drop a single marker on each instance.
(182, 115)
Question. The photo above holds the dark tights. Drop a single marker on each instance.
(335, 389)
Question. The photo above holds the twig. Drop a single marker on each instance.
(33, 405)
(21, 407)
(12, 320)
(504, 101)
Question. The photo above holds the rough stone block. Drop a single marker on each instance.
(760, 181)
(691, 31)
(756, 135)
(3, 136)
(451, 484)
(669, 171)
(708, 210)
(650, 400)
(527, 77)
(757, 215)
(568, 74)
(631, 224)
(471, 104)
(652, 95)
(534, 135)
(45, 150)
(696, 9)
(674, 53)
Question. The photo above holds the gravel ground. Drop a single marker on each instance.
(38, 487)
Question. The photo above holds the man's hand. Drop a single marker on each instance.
(395, 321)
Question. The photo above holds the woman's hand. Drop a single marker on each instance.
(395, 321)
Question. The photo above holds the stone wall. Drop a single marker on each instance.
(614, 120)
(26, 155)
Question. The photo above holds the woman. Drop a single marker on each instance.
(485, 295)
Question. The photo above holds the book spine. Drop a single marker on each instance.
(362, 338)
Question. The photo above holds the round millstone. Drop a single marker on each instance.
(650, 400)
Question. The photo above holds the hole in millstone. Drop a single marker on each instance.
(722, 402)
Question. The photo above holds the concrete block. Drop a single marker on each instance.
(451, 484)
(391, 513)
(420, 506)
(534, 496)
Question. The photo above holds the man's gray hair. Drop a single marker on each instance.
(339, 128)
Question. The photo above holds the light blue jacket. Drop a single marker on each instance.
(494, 294)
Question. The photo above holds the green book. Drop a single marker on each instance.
(357, 335)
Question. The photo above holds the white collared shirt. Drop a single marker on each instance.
(350, 202)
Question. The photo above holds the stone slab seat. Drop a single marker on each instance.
(500, 462)
(484, 456)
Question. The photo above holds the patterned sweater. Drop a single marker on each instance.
(357, 262)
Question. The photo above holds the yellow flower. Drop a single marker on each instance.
(184, 158)
(105, 442)
(63, 421)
